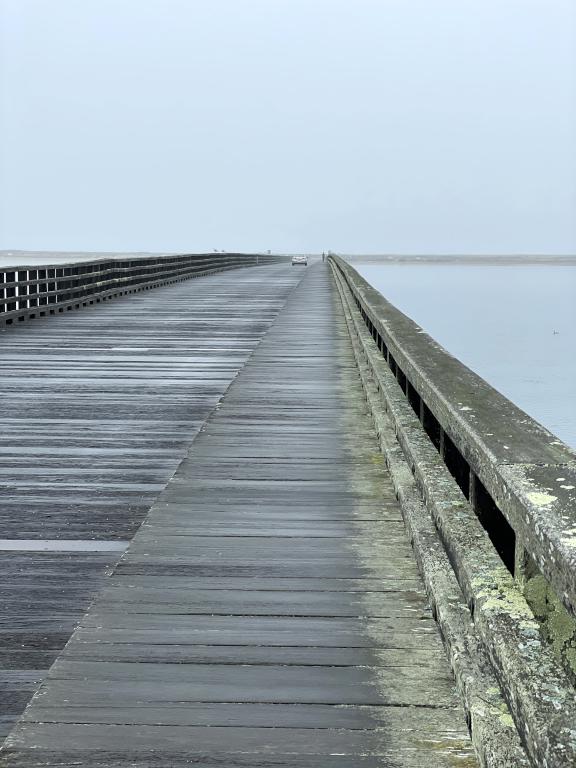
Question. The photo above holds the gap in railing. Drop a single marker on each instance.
(495, 524)
(499, 530)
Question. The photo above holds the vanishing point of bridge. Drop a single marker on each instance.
(258, 518)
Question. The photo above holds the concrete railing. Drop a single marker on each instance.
(30, 291)
(500, 490)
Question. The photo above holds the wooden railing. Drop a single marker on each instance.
(27, 292)
(500, 491)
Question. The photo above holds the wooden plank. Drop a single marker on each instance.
(421, 722)
(239, 602)
(275, 511)
(213, 741)
(173, 653)
(357, 632)
(118, 684)
(99, 759)
(431, 754)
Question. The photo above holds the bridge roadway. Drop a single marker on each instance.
(98, 409)
(268, 611)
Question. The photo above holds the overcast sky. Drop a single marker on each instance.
(364, 126)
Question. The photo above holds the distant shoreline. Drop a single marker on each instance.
(35, 259)
(499, 261)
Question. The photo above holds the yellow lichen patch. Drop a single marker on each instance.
(558, 627)
(506, 720)
(541, 499)
(562, 628)
(535, 592)
(499, 595)
(570, 655)
(501, 713)
(495, 578)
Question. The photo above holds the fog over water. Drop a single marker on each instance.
(405, 126)
(513, 325)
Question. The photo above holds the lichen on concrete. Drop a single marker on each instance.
(496, 593)
(541, 499)
(557, 626)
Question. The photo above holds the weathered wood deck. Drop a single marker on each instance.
(98, 409)
(269, 610)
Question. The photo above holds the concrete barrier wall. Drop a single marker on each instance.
(500, 491)
(491, 446)
(30, 291)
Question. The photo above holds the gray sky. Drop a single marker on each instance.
(364, 126)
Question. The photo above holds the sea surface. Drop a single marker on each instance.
(514, 325)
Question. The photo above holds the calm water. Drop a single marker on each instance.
(514, 325)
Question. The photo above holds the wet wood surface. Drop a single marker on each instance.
(269, 611)
(98, 409)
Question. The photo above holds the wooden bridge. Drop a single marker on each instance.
(258, 518)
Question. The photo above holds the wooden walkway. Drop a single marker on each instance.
(97, 411)
(269, 611)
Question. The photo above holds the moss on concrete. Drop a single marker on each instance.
(558, 627)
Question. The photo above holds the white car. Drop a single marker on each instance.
(300, 260)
